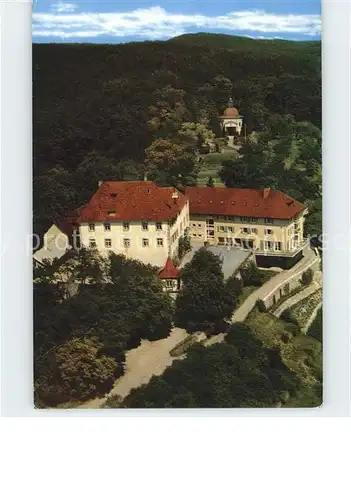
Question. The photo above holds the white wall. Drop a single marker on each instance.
(151, 254)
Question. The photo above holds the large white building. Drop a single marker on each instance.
(137, 219)
(145, 222)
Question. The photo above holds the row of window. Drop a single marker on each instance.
(267, 220)
(126, 226)
(126, 242)
(271, 245)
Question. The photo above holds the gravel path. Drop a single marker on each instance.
(150, 358)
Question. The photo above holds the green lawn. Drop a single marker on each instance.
(212, 163)
(246, 291)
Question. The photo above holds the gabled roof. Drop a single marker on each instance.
(169, 271)
(137, 200)
(264, 203)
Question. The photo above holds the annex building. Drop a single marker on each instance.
(268, 222)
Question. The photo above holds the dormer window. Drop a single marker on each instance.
(113, 195)
(111, 212)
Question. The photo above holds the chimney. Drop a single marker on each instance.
(266, 193)
(100, 183)
(145, 176)
(175, 196)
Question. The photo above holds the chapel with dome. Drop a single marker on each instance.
(232, 122)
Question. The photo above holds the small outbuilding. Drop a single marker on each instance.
(170, 276)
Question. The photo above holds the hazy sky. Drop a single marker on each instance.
(116, 21)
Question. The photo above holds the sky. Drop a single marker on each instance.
(120, 21)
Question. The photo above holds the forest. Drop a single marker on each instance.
(120, 111)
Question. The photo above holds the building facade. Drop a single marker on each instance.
(268, 222)
(232, 122)
(145, 222)
(136, 219)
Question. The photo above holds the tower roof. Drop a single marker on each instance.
(169, 271)
(231, 113)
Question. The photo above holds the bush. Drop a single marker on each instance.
(261, 306)
(288, 317)
(252, 276)
(307, 277)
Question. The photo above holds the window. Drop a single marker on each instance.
(169, 283)
(278, 245)
(158, 226)
(199, 225)
(254, 230)
(193, 224)
(269, 245)
(199, 235)
(108, 243)
(91, 227)
(125, 226)
(268, 220)
(221, 241)
(126, 242)
(254, 219)
(230, 229)
(268, 231)
(244, 219)
(145, 242)
(245, 230)
(159, 242)
(145, 226)
(92, 243)
(107, 226)
(194, 235)
(221, 228)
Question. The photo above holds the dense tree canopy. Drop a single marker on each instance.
(287, 158)
(78, 371)
(131, 306)
(100, 106)
(205, 300)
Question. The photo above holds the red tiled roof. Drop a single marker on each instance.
(169, 271)
(137, 200)
(242, 202)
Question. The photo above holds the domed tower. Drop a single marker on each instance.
(232, 122)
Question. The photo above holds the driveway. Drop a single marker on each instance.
(146, 360)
